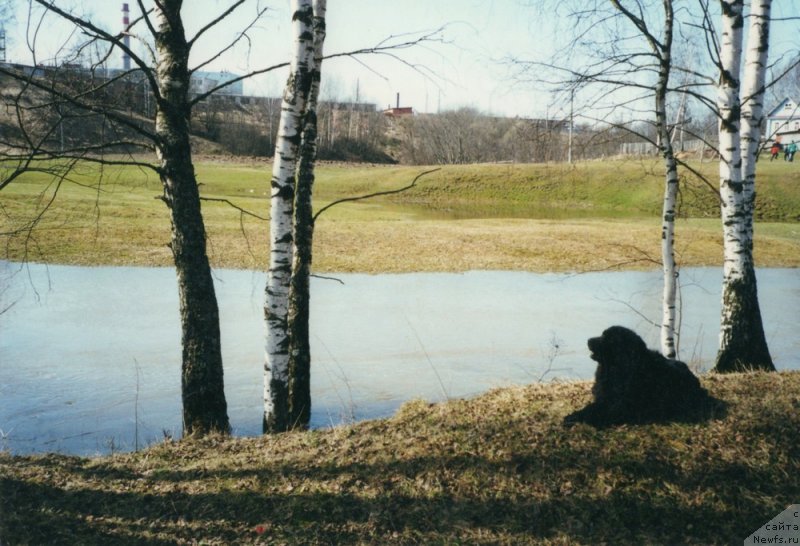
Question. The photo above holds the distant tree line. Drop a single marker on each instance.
(469, 136)
(358, 132)
(249, 126)
(347, 131)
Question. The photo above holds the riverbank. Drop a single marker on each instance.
(497, 469)
(540, 218)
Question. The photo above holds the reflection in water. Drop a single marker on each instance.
(90, 357)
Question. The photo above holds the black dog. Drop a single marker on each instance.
(634, 384)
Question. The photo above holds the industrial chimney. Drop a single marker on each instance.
(126, 39)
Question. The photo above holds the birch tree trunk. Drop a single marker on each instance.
(276, 368)
(300, 292)
(670, 270)
(753, 89)
(669, 344)
(661, 51)
(743, 345)
(202, 387)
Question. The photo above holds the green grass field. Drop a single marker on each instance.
(593, 215)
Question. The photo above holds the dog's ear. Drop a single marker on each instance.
(637, 342)
(616, 334)
(624, 339)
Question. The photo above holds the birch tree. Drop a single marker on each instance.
(281, 250)
(46, 98)
(743, 345)
(287, 400)
(287, 395)
(661, 50)
(204, 405)
(299, 398)
(618, 66)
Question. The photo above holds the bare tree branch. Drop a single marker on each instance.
(235, 206)
(115, 40)
(211, 24)
(384, 47)
(376, 194)
(239, 36)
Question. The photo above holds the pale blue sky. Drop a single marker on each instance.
(465, 71)
(461, 72)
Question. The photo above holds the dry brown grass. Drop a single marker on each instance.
(121, 223)
(529, 245)
(408, 244)
(498, 469)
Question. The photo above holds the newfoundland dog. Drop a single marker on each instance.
(634, 384)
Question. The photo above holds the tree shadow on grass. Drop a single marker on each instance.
(520, 499)
(431, 475)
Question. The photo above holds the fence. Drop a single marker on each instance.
(646, 148)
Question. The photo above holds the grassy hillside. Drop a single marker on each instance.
(594, 215)
(498, 469)
(614, 188)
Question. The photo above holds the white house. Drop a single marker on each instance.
(203, 82)
(783, 121)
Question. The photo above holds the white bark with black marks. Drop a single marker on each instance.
(729, 107)
(753, 92)
(276, 369)
(661, 51)
(743, 344)
(669, 346)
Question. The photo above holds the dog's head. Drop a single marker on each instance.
(615, 342)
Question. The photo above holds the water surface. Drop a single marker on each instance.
(90, 357)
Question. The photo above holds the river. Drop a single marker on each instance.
(90, 357)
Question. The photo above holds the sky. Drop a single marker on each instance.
(468, 67)
(464, 69)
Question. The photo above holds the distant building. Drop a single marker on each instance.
(783, 120)
(349, 106)
(399, 111)
(203, 82)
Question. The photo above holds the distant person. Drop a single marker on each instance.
(792, 149)
(775, 150)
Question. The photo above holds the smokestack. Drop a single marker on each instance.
(126, 39)
(398, 100)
